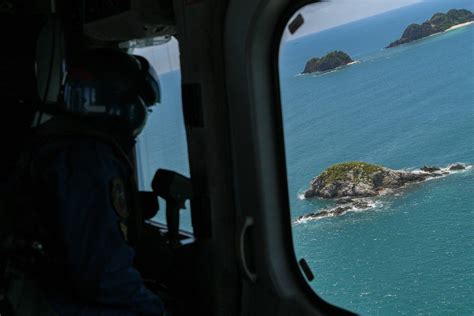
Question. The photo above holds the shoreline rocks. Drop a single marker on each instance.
(457, 166)
(430, 169)
(339, 209)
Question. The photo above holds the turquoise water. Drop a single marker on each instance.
(413, 254)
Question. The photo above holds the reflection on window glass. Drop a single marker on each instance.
(162, 144)
(378, 109)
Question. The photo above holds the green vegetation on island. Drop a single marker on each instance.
(329, 62)
(358, 171)
(439, 22)
(352, 184)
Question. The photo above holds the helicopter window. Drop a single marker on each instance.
(378, 122)
(162, 144)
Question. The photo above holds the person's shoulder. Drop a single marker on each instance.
(74, 146)
(71, 152)
(68, 134)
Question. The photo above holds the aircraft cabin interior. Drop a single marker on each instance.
(217, 138)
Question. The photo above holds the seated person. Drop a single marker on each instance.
(82, 183)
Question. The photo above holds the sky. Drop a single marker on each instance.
(164, 57)
(319, 16)
(332, 13)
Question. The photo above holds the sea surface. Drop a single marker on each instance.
(412, 254)
(403, 108)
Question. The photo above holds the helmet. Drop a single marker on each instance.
(111, 87)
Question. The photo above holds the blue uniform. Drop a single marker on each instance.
(74, 178)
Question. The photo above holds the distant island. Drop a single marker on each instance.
(351, 184)
(440, 22)
(328, 62)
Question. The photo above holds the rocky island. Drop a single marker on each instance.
(352, 184)
(439, 22)
(329, 62)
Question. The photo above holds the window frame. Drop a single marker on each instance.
(252, 37)
(186, 234)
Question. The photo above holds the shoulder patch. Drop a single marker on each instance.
(119, 199)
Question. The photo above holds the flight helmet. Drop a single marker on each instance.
(111, 87)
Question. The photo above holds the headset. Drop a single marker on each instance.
(110, 86)
(86, 82)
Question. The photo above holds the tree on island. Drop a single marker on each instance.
(331, 61)
(439, 22)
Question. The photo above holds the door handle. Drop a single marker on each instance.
(248, 223)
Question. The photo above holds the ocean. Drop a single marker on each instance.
(403, 108)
